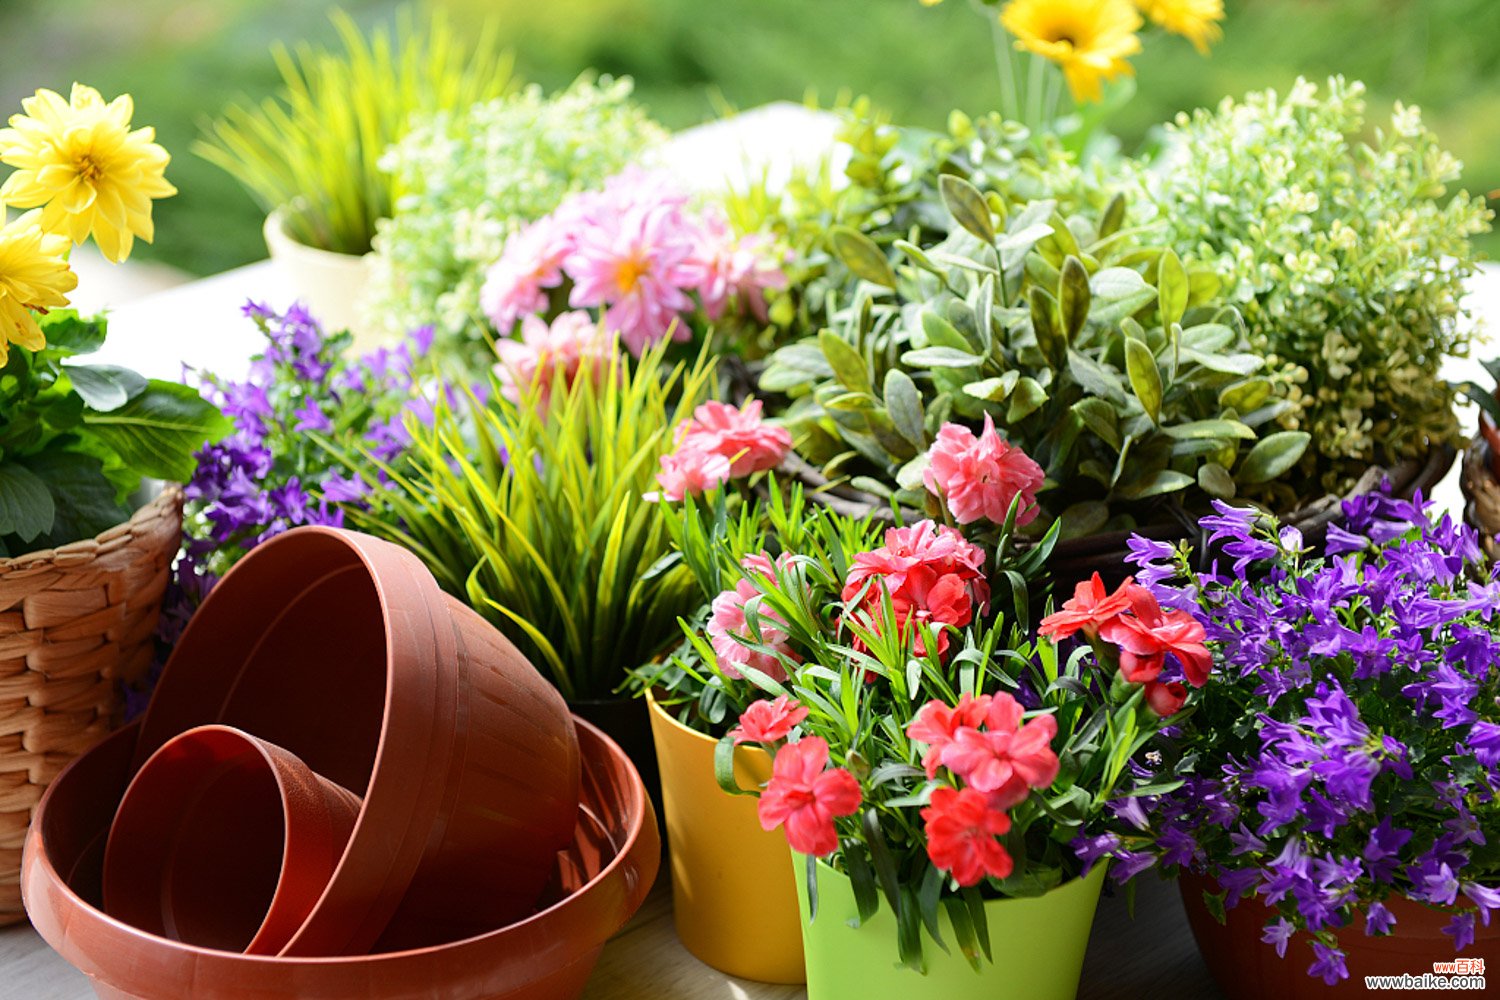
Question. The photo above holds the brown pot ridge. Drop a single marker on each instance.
(1246, 968)
(225, 841)
(595, 884)
(342, 650)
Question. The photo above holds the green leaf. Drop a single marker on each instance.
(1145, 377)
(1172, 288)
(1084, 518)
(1095, 378)
(1165, 481)
(1213, 902)
(861, 256)
(1272, 456)
(1114, 216)
(848, 367)
(1028, 395)
(1100, 418)
(1216, 480)
(1246, 396)
(1227, 364)
(68, 335)
(941, 357)
(157, 432)
(1210, 429)
(941, 333)
(1044, 324)
(26, 506)
(1117, 283)
(1073, 298)
(862, 881)
(993, 389)
(967, 206)
(105, 387)
(904, 404)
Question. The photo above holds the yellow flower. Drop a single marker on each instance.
(34, 274)
(80, 161)
(1090, 39)
(1195, 20)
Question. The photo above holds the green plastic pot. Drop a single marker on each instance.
(1038, 945)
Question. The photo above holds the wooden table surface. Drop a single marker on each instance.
(1152, 955)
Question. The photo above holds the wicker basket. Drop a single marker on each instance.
(75, 622)
(1482, 496)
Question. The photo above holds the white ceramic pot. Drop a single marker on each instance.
(332, 285)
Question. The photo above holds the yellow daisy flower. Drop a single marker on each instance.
(1091, 40)
(34, 275)
(82, 163)
(1195, 20)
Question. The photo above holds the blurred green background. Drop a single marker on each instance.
(183, 59)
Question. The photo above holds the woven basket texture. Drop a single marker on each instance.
(76, 623)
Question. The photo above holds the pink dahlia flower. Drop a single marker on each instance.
(1006, 759)
(723, 267)
(629, 254)
(689, 472)
(544, 352)
(531, 262)
(980, 476)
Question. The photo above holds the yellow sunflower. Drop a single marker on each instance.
(82, 163)
(34, 274)
(1091, 40)
(1195, 20)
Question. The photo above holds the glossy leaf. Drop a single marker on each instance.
(861, 256)
(1273, 456)
(1145, 377)
(967, 206)
(1172, 287)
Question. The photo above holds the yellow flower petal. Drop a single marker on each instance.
(80, 162)
(1091, 40)
(1195, 20)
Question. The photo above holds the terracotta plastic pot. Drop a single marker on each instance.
(626, 721)
(341, 649)
(724, 865)
(596, 884)
(1247, 968)
(225, 841)
(1037, 943)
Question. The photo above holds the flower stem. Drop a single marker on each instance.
(1010, 102)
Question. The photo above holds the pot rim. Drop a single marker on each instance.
(275, 232)
(638, 842)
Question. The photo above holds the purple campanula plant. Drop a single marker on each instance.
(1347, 749)
(277, 470)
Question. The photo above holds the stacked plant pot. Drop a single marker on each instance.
(347, 785)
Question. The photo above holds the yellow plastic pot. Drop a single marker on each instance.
(733, 898)
(1037, 943)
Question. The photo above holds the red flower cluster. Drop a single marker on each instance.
(932, 574)
(983, 742)
(804, 795)
(1131, 619)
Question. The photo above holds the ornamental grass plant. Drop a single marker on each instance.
(1346, 750)
(315, 150)
(534, 513)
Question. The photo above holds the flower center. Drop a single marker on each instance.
(87, 168)
(628, 274)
